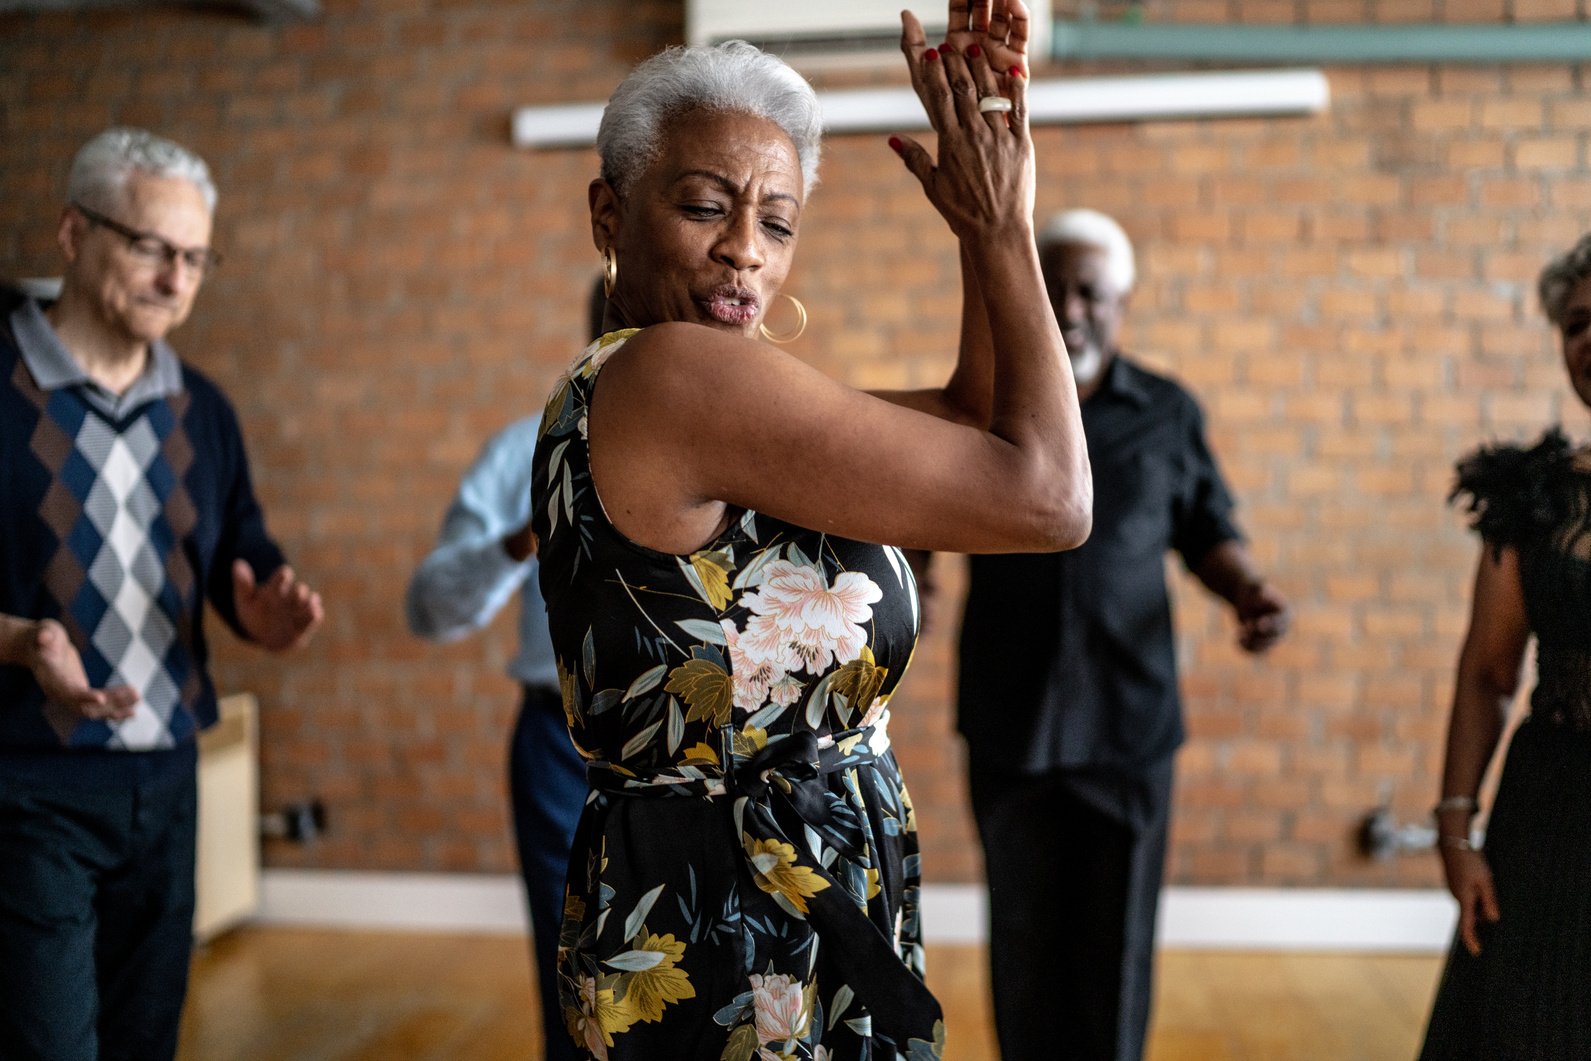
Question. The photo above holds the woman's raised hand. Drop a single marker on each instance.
(982, 181)
(998, 27)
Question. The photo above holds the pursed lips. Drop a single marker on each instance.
(731, 305)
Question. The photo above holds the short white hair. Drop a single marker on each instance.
(733, 76)
(101, 167)
(1090, 228)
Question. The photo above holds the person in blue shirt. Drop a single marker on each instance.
(485, 554)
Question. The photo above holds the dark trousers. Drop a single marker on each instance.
(547, 784)
(96, 916)
(1074, 866)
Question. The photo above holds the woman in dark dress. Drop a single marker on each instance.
(727, 624)
(1518, 980)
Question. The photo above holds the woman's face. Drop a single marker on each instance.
(1575, 332)
(708, 231)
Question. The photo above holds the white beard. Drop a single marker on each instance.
(1087, 364)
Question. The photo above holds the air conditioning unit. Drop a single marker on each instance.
(814, 35)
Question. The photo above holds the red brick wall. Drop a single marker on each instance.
(1350, 294)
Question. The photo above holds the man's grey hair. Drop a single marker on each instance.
(1094, 229)
(733, 76)
(1561, 276)
(101, 167)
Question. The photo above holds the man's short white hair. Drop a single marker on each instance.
(1094, 229)
(102, 167)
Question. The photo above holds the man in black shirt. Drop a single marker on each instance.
(1068, 686)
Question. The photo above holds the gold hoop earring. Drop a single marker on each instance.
(610, 271)
(801, 324)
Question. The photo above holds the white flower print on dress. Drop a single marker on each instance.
(750, 667)
(802, 623)
(780, 1008)
(785, 691)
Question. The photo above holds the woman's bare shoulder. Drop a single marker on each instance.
(678, 358)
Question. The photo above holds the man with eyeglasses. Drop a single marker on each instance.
(125, 504)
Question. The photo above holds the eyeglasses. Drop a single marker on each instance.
(150, 248)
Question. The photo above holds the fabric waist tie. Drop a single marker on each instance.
(785, 771)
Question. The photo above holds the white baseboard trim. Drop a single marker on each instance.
(1307, 919)
(1312, 919)
(453, 902)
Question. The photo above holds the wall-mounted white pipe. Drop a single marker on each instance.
(1542, 42)
(1145, 97)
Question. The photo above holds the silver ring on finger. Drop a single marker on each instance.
(994, 104)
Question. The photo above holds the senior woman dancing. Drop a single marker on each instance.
(745, 875)
(1518, 980)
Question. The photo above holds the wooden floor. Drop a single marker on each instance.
(276, 994)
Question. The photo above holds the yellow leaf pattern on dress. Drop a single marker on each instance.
(706, 687)
(742, 1044)
(700, 755)
(569, 688)
(860, 680)
(713, 570)
(647, 991)
(598, 1015)
(749, 741)
(776, 871)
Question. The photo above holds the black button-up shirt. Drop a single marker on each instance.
(1067, 659)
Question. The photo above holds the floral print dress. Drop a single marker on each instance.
(744, 880)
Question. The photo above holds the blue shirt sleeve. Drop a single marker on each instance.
(468, 576)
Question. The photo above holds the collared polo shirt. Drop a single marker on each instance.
(54, 367)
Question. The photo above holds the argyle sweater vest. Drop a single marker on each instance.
(120, 529)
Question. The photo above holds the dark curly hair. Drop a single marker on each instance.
(1561, 276)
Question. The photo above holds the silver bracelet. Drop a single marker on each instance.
(1465, 803)
(1457, 842)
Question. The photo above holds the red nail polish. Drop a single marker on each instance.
(930, 55)
(895, 145)
(945, 47)
(1016, 71)
(973, 51)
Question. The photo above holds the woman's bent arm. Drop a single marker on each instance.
(689, 422)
